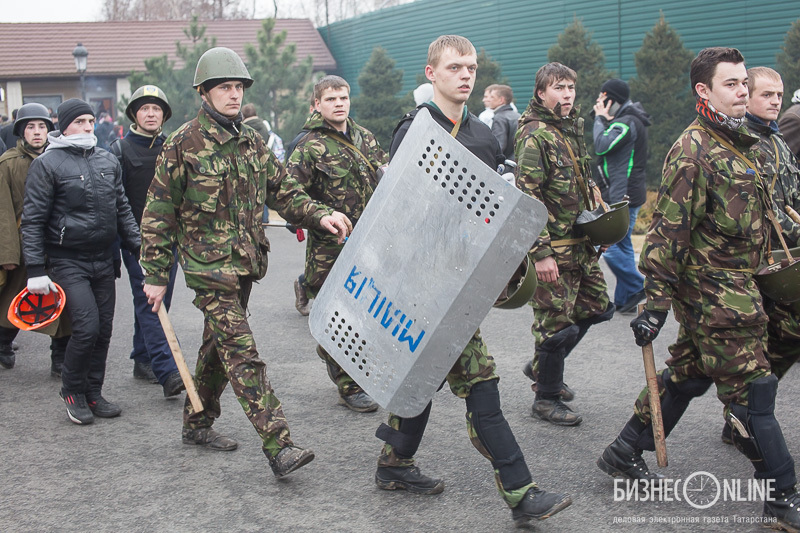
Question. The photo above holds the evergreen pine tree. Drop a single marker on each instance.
(488, 73)
(662, 86)
(281, 90)
(175, 82)
(377, 108)
(788, 63)
(576, 49)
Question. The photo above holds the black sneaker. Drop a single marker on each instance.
(102, 408)
(540, 505)
(7, 356)
(174, 385)
(556, 412)
(408, 478)
(144, 371)
(566, 393)
(785, 509)
(359, 401)
(620, 459)
(77, 409)
(288, 460)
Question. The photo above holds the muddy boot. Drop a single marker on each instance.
(555, 411)
(407, 478)
(540, 505)
(288, 460)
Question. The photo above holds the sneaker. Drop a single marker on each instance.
(102, 408)
(77, 409)
(144, 371)
(301, 299)
(359, 401)
(629, 307)
(173, 385)
(784, 512)
(288, 460)
(407, 478)
(555, 411)
(540, 505)
(726, 436)
(567, 394)
(209, 438)
(7, 356)
(620, 459)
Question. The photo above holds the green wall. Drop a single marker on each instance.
(518, 33)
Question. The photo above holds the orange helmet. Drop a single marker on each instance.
(30, 311)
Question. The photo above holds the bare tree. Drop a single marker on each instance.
(173, 9)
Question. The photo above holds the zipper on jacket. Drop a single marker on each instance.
(61, 237)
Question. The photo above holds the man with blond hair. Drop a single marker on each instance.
(452, 63)
(500, 98)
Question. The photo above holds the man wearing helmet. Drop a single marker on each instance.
(148, 109)
(31, 127)
(74, 208)
(212, 180)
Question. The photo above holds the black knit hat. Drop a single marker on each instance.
(70, 110)
(617, 90)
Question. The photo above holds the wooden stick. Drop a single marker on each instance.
(655, 401)
(177, 354)
(792, 214)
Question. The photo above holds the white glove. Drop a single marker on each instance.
(41, 285)
(509, 177)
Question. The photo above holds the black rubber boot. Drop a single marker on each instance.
(407, 478)
(623, 459)
(785, 509)
(540, 505)
(288, 460)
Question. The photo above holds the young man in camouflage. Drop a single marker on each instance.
(709, 234)
(452, 63)
(553, 166)
(212, 180)
(31, 126)
(338, 163)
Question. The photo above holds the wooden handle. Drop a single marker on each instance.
(177, 354)
(655, 401)
(794, 215)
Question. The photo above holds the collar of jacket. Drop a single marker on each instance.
(215, 129)
(537, 111)
(434, 107)
(26, 149)
(740, 138)
(144, 139)
(760, 126)
(316, 122)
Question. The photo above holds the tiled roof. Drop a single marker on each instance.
(41, 50)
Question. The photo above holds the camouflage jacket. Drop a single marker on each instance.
(208, 197)
(546, 172)
(14, 165)
(708, 233)
(333, 173)
(785, 189)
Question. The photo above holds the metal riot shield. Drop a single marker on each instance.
(435, 246)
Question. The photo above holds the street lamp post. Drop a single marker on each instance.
(81, 54)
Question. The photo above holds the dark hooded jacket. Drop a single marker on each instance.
(622, 146)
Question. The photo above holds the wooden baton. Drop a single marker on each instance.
(655, 401)
(177, 354)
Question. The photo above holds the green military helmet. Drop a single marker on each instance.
(520, 289)
(781, 282)
(146, 94)
(28, 112)
(605, 225)
(221, 63)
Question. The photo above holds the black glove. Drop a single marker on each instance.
(647, 325)
(117, 269)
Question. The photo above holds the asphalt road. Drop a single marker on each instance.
(132, 473)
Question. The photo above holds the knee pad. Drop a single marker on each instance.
(405, 440)
(561, 340)
(763, 444)
(494, 434)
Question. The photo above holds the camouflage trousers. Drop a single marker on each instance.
(342, 379)
(731, 361)
(578, 294)
(783, 338)
(228, 354)
(475, 365)
(321, 253)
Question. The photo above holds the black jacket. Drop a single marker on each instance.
(622, 147)
(138, 160)
(504, 127)
(74, 207)
(473, 134)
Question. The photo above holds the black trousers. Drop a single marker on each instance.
(89, 288)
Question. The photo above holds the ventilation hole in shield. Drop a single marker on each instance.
(432, 141)
(427, 149)
(333, 338)
(460, 199)
(429, 171)
(419, 163)
(347, 352)
(352, 359)
(452, 192)
(361, 367)
(469, 206)
(366, 373)
(477, 213)
(444, 185)
(447, 155)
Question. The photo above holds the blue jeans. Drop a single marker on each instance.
(150, 346)
(622, 262)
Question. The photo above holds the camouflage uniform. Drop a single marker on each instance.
(207, 198)
(709, 234)
(546, 172)
(783, 329)
(334, 175)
